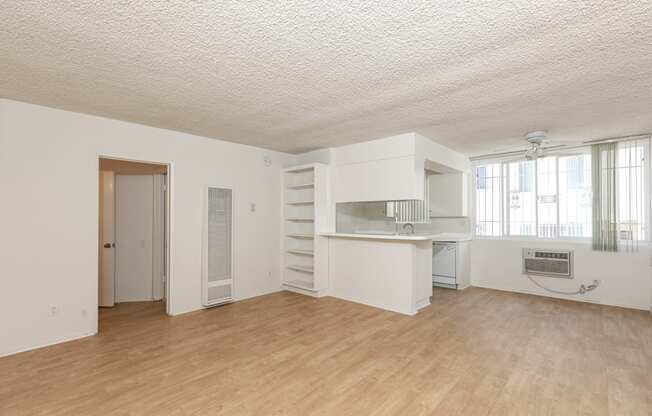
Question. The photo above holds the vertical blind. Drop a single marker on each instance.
(621, 203)
(605, 236)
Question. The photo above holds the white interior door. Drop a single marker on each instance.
(106, 286)
(134, 221)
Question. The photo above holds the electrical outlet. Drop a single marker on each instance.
(252, 207)
(84, 313)
(53, 310)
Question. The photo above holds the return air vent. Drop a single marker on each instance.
(546, 262)
(217, 270)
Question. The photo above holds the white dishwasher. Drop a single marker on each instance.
(450, 264)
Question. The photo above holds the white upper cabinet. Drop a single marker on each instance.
(377, 180)
(380, 170)
(449, 195)
(390, 169)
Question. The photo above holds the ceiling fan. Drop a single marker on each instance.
(538, 145)
(537, 140)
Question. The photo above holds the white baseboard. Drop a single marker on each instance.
(253, 295)
(49, 344)
(554, 296)
(263, 293)
(361, 302)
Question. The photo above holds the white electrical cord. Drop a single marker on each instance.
(582, 290)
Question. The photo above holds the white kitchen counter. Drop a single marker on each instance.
(404, 237)
(453, 237)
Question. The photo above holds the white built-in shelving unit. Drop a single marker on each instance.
(306, 213)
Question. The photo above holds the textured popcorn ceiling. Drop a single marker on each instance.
(300, 75)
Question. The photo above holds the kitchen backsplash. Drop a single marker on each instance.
(361, 217)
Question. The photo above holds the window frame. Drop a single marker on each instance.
(646, 144)
(505, 214)
(646, 240)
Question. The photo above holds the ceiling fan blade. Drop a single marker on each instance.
(561, 142)
(514, 148)
(537, 145)
(506, 155)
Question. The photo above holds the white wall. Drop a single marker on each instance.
(49, 210)
(626, 278)
(324, 156)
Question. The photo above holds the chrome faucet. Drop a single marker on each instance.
(410, 226)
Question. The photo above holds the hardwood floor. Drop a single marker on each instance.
(476, 352)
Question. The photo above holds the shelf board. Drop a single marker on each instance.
(302, 252)
(301, 203)
(310, 236)
(301, 186)
(298, 268)
(300, 169)
(301, 285)
(301, 219)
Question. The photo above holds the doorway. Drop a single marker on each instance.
(133, 269)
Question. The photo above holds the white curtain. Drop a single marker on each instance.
(621, 204)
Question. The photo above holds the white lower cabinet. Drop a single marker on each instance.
(450, 264)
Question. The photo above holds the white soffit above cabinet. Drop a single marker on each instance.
(392, 168)
(300, 75)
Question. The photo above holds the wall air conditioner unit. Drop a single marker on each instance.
(546, 262)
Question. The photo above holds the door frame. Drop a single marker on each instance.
(168, 222)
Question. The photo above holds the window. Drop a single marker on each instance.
(631, 188)
(522, 199)
(488, 200)
(575, 171)
(525, 177)
(481, 180)
(547, 226)
(575, 196)
(549, 197)
(552, 197)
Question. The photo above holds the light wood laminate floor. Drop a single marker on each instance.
(476, 352)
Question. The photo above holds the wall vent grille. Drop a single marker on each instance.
(217, 282)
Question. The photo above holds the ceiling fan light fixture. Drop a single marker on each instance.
(535, 152)
(536, 137)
